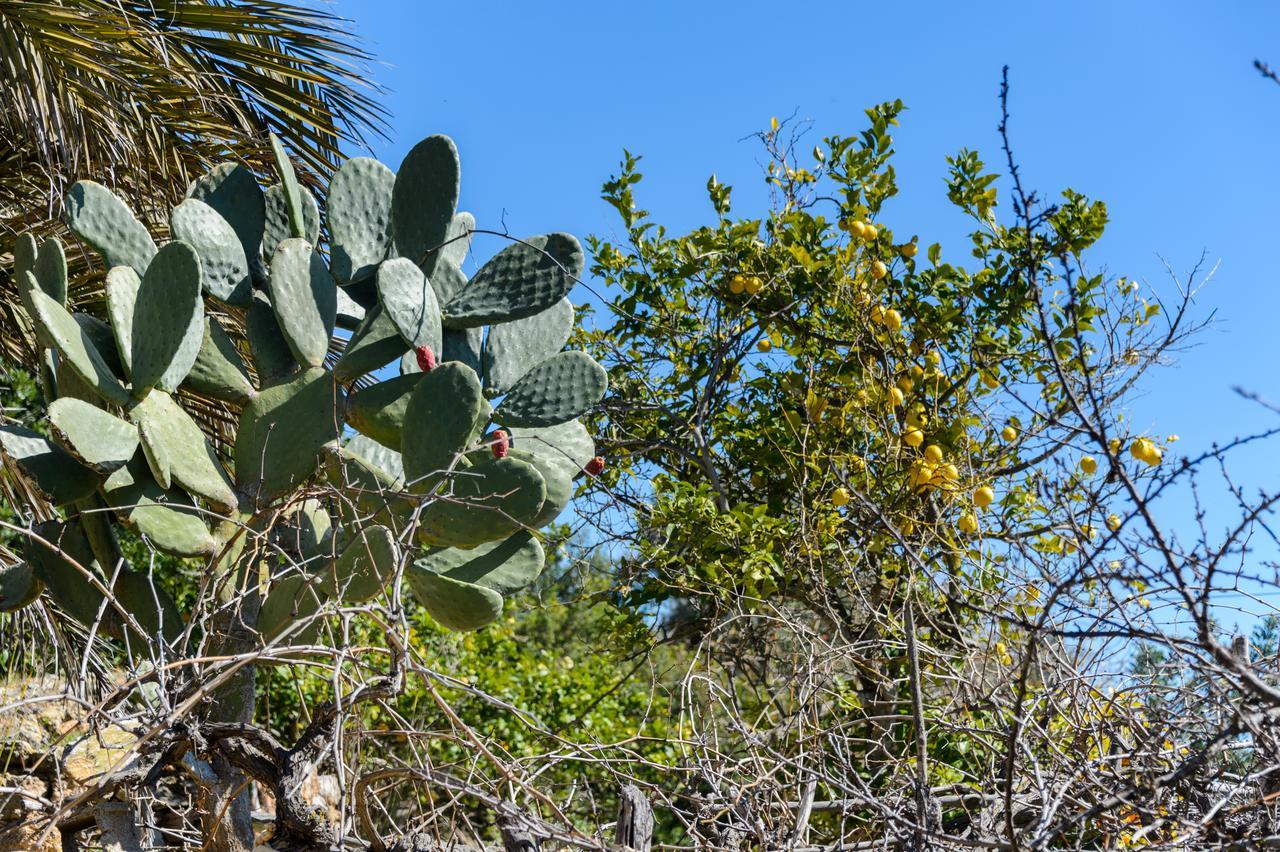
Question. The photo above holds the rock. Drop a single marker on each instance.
(47, 752)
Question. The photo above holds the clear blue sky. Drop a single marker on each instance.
(1153, 107)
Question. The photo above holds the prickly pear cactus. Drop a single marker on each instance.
(338, 477)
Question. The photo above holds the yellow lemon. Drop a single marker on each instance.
(921, 474)
(877, 313)
(840, 497)
(1089, 465)
(1145, 450)
(950, 473)
(857, 228)
(764, 345)
(913, 437)
(879, 270)
(909, 250)
(933, 453)
(983, 496)
(870, 232)
(737, 284)
(1008, 433)
(753, 285)
(892, 320)
(968, 524)
(895, 397)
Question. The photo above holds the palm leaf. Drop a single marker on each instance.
(144, 96)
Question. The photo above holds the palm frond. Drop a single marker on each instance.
(145, 95)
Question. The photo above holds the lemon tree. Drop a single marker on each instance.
(831, 423)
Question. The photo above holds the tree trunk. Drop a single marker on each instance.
(228, 826)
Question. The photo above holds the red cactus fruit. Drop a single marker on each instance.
(595, 467)
(426, 358)
(500, 444)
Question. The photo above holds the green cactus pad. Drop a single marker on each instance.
(47, 373)
(282, 433)
(423, 200)
(384, 458)
(19, 586)
(291, 195)
(447, 280)
(218, 371)
(410, 303)
(24, 269)
(378, 411)
(514, 348)
(75, 346)
(60, 558)
(96, 520)
(292, 599)
(103, 339)
(439, 421)
(482, 422)
(364, 567)
(233, 191)
(224, 269)
(99, 439)
(25, 252)
(166, 517)
(121, 478)
(458, 240)
(105, 222)
(452, 603)
(557, 390)
(464, 346)
(315, 530)
(350, 312)
(364, 292)
(278, 229)
(374, 344)
(488, 501)
(191, 461)
(51, 269)
(121, 289)
(168, 320)
(504, 566)
(305, 300)
(46, 467)
(157, 459)
(359, 206)
(272, 357)
(374, 493)
(523, 279)
(149, 605)
(68, 383)
(569, 444)
(559, 484)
